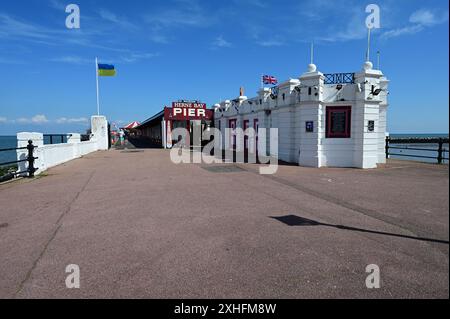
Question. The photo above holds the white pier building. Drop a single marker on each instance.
(323, 120)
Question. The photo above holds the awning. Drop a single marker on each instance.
(132, 125)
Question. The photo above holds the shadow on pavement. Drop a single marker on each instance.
(292, 220)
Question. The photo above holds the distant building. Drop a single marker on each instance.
(183, 114)
(323, 120)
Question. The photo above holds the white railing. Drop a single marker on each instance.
(56, 154)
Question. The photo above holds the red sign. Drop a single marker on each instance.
(183, 111)
(188, 105)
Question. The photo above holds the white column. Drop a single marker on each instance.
(310, 109)
(367, 108)
(99, 129)
(22, 141)
(164, 134)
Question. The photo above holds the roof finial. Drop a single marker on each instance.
(368, 65)
(312, 67)
(378, 60)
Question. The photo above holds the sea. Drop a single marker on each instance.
(7, 142)
(431, 146)
(11, 142)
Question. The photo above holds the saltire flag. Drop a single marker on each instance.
(269, 79)
(106, 70)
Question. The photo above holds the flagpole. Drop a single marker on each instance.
(378, 60)
(368, 45)
(96, 77)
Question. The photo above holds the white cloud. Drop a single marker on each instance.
(419, 20)
(354, 27)
(220, 42)
(254, 3)
(402, 31)
(120, 21)
(134, 57)
(65, 120)
(426, 17)
(22, 120)
(72, 60)
(37, 119)
(14, 28)
(186, 13)
(3, 119)
(159, 38)
(271, 43)
(308, 20)
(109, 16)
(9, 61)
(42, 119)
(56, 4)
(320, 21)
(128, 57)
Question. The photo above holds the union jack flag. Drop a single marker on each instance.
(268, 79)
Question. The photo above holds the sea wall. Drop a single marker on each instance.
(56, 154)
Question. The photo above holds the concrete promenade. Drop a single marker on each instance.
(141, 227)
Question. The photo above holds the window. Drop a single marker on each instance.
(255, 145)
(245, 127)
(338, 121)
(232, 126)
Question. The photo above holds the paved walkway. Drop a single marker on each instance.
(141, 227)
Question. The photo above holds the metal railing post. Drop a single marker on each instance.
(30, 159)
(440, 151)
(387, 147)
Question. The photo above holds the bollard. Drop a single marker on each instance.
(387, 147)
(30, 159)
(440, 151)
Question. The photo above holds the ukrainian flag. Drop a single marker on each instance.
(106, 70)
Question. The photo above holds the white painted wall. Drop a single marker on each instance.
(306, 99)
(99, 130)
(53, 155)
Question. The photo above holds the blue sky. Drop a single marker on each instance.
(206, 50)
